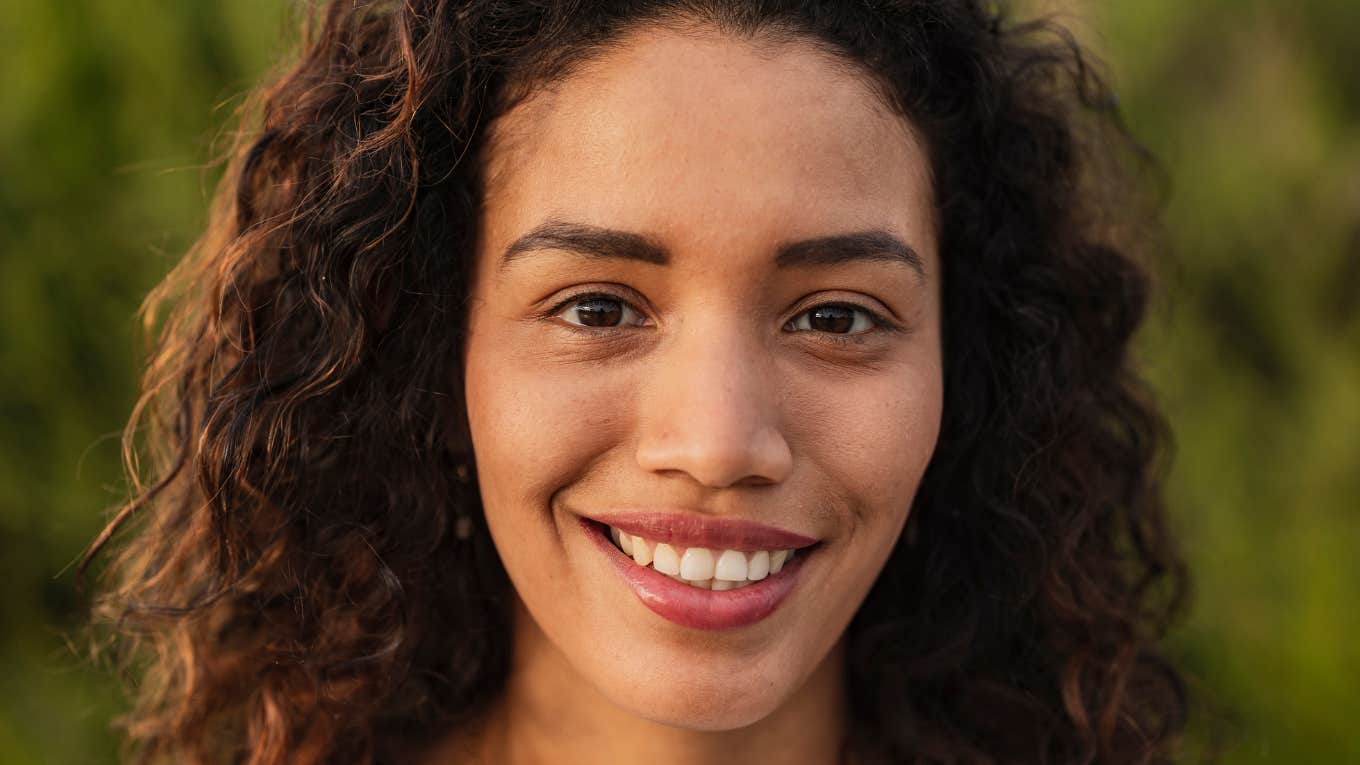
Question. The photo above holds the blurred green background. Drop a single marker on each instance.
(110, 111)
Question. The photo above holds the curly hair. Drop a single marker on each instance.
(286, 585)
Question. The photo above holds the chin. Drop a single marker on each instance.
(718, 702)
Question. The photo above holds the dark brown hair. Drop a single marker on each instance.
(287, 586)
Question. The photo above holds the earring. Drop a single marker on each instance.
(462, 523)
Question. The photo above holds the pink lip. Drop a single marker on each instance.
(694, 607)
(689, 530)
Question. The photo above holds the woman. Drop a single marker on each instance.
(656, 381)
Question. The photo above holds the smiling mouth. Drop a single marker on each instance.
(698, 587)
(699, 567)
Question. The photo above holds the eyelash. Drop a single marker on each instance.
(881, 324)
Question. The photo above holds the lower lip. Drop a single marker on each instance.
(694, 607)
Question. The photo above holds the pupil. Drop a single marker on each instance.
(837, 319)
(590, 312)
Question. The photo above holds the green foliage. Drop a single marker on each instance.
(109, 113)
(1254, 108)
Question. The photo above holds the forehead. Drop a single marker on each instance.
(706, 140)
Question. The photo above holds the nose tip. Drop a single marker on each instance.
(719, 459)
(712, 415)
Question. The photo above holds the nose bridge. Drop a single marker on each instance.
(712, 407)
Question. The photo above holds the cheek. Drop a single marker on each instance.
(536, 425)
(872, 439)
(901, 426)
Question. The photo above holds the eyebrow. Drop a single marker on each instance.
(612, 244)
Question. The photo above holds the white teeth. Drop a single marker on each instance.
(777, 559)
(759, 568)
(642, 552)
(665, 559)
(731, 566)
(697, 564)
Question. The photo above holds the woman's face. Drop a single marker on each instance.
(717, 328)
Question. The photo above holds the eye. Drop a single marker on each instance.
(603, 311)
(595, 310)
(838, 319)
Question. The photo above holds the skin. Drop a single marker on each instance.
(716, 391)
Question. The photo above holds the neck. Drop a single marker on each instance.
(549, 713)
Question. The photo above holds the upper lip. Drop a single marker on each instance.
(689, 529)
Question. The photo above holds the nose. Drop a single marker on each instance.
(711, 410)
